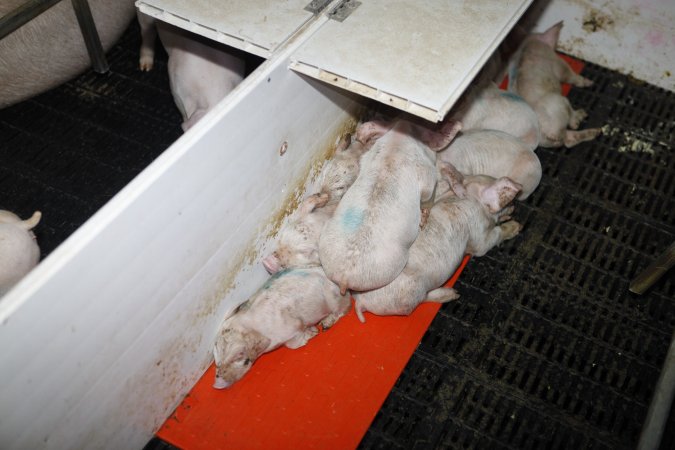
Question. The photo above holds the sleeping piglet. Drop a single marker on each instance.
(284, 311)
(490, 108)
(19, 251)
(298, 244)
(535, 73)
(365, 244)
(201, 72)
(456, 226)
(497, 154)
(341, 170)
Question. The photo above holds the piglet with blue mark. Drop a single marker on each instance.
(284, 311)
(365, 244)
(486, 107)
(464, 220)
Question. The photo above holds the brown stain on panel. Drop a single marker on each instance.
(595, 20)
(269, 229)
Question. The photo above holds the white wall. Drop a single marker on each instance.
(634, 37)
(103, 339)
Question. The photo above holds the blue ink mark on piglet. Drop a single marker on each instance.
(284, 272)
(352, 219)
(512, 96)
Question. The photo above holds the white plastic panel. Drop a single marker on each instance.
(255, 26)
(634, 37)
(104, 338)
(416, 56)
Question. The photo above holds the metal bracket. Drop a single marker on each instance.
(316, 6)
(343, 10)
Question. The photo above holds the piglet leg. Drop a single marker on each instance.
(573, 138)
(148, 37)
(442, 295)
(426, 205)
(302, 338)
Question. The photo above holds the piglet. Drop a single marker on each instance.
(535, 73)
(341, 171)
(284, 311)
(497, 154)
(298, 244)
(365, 244)
(490, 108)
(19, 251)
(456, 226)
(201, 73)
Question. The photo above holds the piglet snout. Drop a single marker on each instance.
(221, 384)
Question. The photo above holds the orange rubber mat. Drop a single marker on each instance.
(322, 396)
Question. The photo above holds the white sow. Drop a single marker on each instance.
(201, 73)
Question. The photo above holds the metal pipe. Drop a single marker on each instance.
(90, 35)
(659, 408)
(24, 13)
(651, 274)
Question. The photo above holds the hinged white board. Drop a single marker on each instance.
(255, 26)
(416, 56)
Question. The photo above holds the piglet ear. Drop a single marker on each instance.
(370, 131)
(344, 143)
(550, 37)
(271, 263)
(499, 194)
(441, 138)
(454, 177)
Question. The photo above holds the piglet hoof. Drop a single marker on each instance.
(329, 321)
(510, 229)
(505, 214)
(578, 116)
(146, 63)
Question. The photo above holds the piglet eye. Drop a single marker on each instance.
(247, 361)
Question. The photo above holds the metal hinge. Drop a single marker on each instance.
(316, 6)
(343, 10)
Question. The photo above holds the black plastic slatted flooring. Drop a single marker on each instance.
(547, 348)
(70, 150)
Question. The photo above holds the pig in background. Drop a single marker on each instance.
(284, 311)
(201, 72)
(19, 251)
(456, 226)
(365, 244)
(49, 50)
(497, 154)
(535, 73)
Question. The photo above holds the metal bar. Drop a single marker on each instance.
(654, 271)
(90, 35)
(657, 415)
(24, 13)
